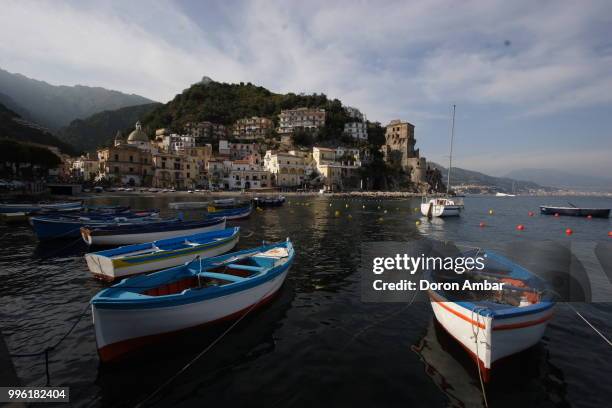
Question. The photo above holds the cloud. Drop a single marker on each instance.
(392, 59)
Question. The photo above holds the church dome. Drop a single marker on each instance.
(138, 135)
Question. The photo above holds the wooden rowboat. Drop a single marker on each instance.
(153, 256)
(493, 324)
(142, 309)
(147, 232)
(230, 213)
(62, 226)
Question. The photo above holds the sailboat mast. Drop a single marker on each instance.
(450, 157)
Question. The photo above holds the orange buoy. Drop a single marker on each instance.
(610, 234)
(482, 225)
(520, 227)
(556, 214)
(530, 213)
(569, 231)
(589, 216)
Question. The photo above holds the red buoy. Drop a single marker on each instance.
(482, 225)
(569, 231)
(589, 216)
(530, 213)
(556, 214)
(520, 227)
(610, 234)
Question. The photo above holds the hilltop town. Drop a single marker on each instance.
(219, 136)
(254, 155)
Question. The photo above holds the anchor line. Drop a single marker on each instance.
(476, 332)
(204, 351)
(48, 349)
(389, 316)
(590, 325)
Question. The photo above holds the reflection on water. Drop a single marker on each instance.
(526, 379)
(317, 343)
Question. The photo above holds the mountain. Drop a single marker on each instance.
(56, 106)
(14, 127)
(99, 129)
(562, 179)
(501, 184)
(225, 103)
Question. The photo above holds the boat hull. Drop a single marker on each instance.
(440, 210)
(51, 227)
(108, 269)
(117, 334)
(498, 338)
(91, 238)
(232, 213)
(576, 212)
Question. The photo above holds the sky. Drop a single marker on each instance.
(532, 81)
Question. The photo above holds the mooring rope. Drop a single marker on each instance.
(48, 349)
(590, 324)
(200, 354)
(389, 316)
(476, 332)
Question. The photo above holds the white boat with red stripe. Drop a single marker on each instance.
(498, 323)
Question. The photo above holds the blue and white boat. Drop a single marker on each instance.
(128, 234)
(153, 256)
(493, 323)
(231, 213)
(58, 226)
(138, 310)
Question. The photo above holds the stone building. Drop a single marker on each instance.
(128, 162)
(356, 130)
(287, 170)
(245, 175)
(205, 131)
(399, 150)
(303, 118)
(85, 168)
(252, 128)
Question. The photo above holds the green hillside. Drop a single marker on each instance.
(99, 129)
(13, 127)
(225, 103)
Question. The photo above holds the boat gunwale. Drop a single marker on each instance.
(175, 224)
(122, 253)
(481, 308)
(140, 301)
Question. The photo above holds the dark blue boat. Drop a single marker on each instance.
(57, 226)
(128, 234)
(575, 211)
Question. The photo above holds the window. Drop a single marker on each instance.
(131, 169)
(116, 157)
(116, 169)
(131, 159)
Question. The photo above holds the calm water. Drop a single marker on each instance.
(316, 343)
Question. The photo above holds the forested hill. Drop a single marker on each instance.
(225, 103)
(14, 127)
(98, 130)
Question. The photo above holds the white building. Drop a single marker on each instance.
(85, 168)
(303, 118)
(178, 144)
(287, 170)
(356, 130)
(244, 175)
